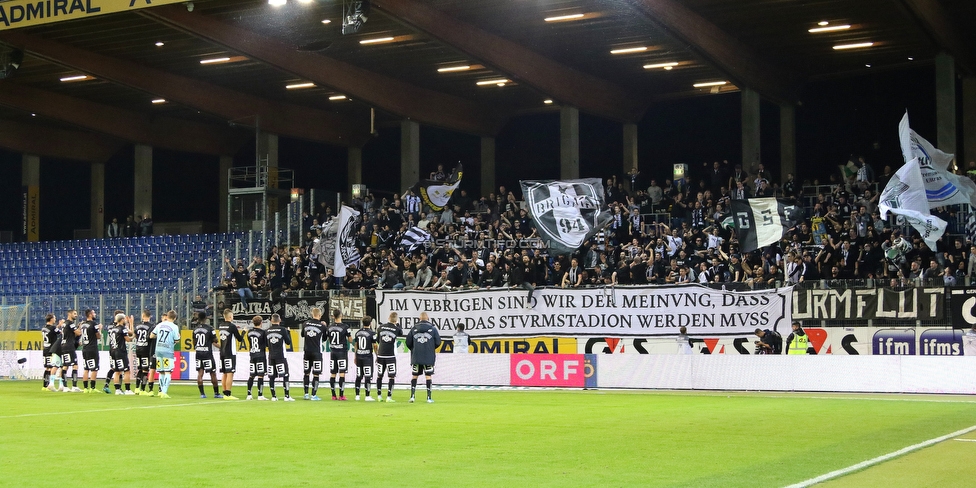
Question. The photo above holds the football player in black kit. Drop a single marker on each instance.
(386, 337)
(203, 342)
(338, 336)
(227, 332)
(91, 333)
(119, 335)
(257, 343)
(54, 336)
(69, 358)
(313, 330)
(48, 333)
(423, 341)
(278, 337)
(145, 360)
(365, 343)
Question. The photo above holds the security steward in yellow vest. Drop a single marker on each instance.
(798, 342)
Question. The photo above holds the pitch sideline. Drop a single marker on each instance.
(880, 459)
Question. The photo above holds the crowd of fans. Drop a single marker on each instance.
(674, 232)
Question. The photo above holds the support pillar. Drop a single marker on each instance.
(968, 122)
(487, 166)
(30, 179)
(630, 153)
(223, 171)
(143, 181)
(354, 161)
(409, 154)
(267, 150)
(97, 222)
(787, 141)
(750, 129)
(945, 102)
(568, 142)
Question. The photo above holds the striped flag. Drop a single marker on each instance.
(413, 238)
(337, 247)
(971, 226)
(760, 222)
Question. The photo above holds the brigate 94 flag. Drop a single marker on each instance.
(566, 212)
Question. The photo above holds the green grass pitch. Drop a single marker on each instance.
(471, 438)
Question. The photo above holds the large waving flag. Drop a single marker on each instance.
(567, 212)
(436, 194)
(906, 195)
(413, 238)
(760, 222)
(941, 187)
(337, 246)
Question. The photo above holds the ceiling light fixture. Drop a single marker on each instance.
(75, 78)
(214, 60)
(833, 28)
(493, 82)
(629, 50)
(158, 101)
(337, 97)
(326, 21)
(297, 86)
(377, 40)
(547, 101)
(911, 59)
(710, 83)
(562, 18)
(858, 45)
(867, 65)
(661, 65)
(822, 23)
(277, 3)
(159, 44)
(451, 69)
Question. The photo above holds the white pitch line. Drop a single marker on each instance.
(965, 440)
(880, 459)
(42, 414)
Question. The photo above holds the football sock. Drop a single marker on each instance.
(428, 388)
(85, 382)
(200, 387)
(128, 386)
(47, 378)
(261, 386)
(250, 385)
(315, 386)
(108, 379)
(74, 378)
(390, 391)
(150, 386)
(284, 384)
(413, 387)
(139, 380)
(379, 385)
(164, 382)
(332, 385)
(305, 383)
(216, 388)
(367, 387)
(58, 381)
(342, 388)
(359, 381)
(271, 382)
(118, 387)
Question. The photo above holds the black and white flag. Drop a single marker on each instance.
(436, 194)
(566, 212)
(337, 246)
(760, 222)
(413, 238)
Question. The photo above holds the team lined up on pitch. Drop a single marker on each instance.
(155, 354)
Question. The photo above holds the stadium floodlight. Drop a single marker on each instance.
(354, 16)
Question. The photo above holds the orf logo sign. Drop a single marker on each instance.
(560, 370)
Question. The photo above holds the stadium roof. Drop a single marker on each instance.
(174, 78)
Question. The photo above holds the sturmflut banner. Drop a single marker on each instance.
(621, 311)
(869, 304)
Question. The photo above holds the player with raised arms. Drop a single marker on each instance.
(386, 337)
(227, 332)
(338, 335)
(203, 342)
(144, 356)
(257, 341)
(166, 333)
(423, 341)
(278, 338)
(313, 330)
(365, 344)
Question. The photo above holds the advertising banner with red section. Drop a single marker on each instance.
(555, 370)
